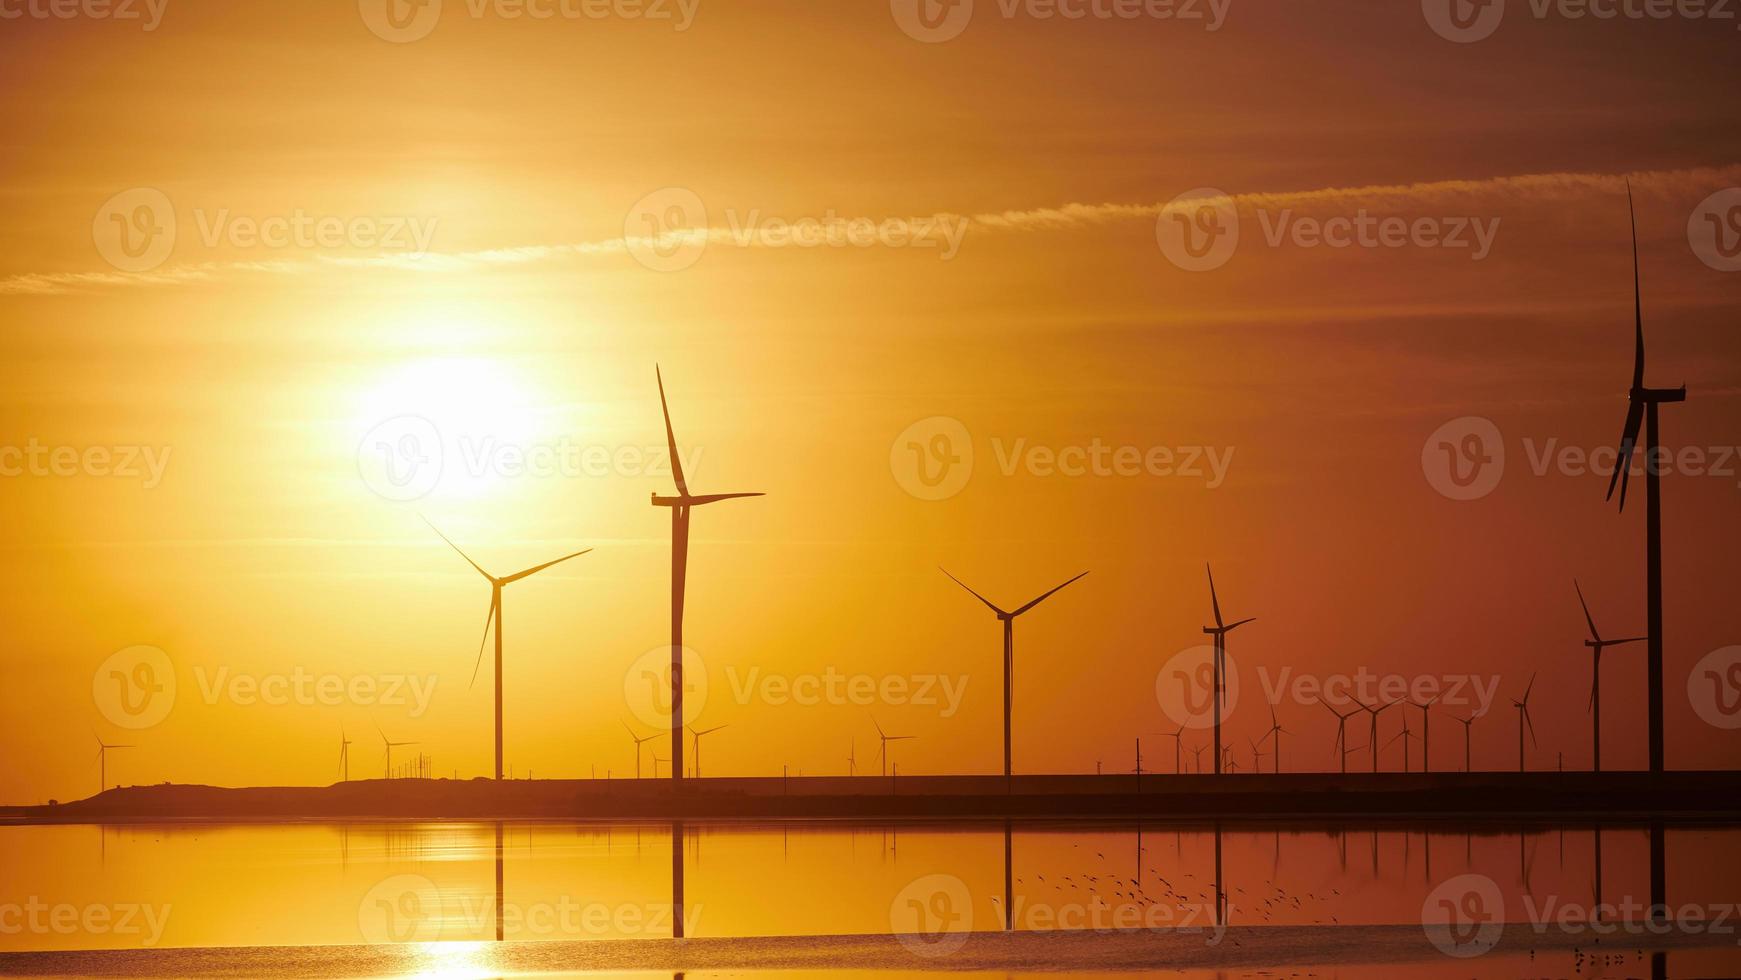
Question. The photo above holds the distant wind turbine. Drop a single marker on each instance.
(1219, 668)
(1178, 738)
(1405, 735)
(680, 506)
(1372, 740)
(1276, 731)
(696, 734)
(1597, 645)
(495, 615)
(1426, 730)
(1009, 623)
(103, 749)
(852, 757)
(344, 755)
(1523, 721)
(883, 747)
(1643, 408)
(639, 741)
(1340, 745)
(1468, 724)
(391, 745)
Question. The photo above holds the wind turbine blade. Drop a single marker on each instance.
(1214, 601)
(901, 738)
(989, 604)
(456, 547)
(1630, 639)
(1628, 442)
(671, 437)
(1249, 619)
(1530, 724)
(481, 643)
(1637, 297)
(517, 576)
(714, 498)
(1527, 688)
(879, 728)
(1045, 596)
(1587, 617)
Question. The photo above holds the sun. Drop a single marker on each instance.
(448, 427)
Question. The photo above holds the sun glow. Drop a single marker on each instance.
(448, 426)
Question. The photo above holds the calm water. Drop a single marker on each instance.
(433, 889)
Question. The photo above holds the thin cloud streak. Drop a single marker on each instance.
(1532, 188)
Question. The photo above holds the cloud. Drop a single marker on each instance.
(1550, 188)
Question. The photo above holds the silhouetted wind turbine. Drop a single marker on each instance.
(103, 761)
(852, 757)
(1524, 721)
(639, 741)
(1373, 739)
(344, 755)
(1197, 757)
(1009, 646)
(680, 506)
(883, 747)
(1468, 723)
(1405, 735)
(1426, 730)
(696, 734)
(1340, 745)
(1276, 731)
(391, 745)
(1596, 645)
(495, 615)
(1178, 738)
(1643, 407)
(1219, 668)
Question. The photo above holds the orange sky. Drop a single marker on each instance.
(522, 148)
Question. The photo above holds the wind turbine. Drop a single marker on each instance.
(883, 748)
(680, 506)
(1197, 757)
(697, 735)
(1596, 645)
(1426, 730)
(852, 757)
(1219, 667)
(344, 755)
(1009, 648)
(495, 615)
(1340, 745)
(1468, 724)
(1373, 739)
(1524, 721)
(639, 741)
(391, 745)
(1178, 738)
(1276, 731)
(103, 761)
(1643, 407)
(1405, 735)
